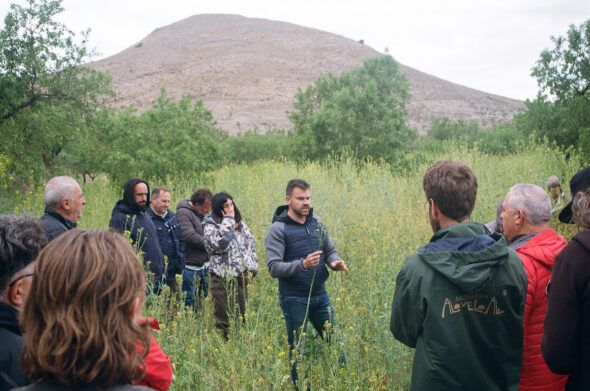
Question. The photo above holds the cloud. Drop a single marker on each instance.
(488, 45)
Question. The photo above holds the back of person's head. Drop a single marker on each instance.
(80, 320)
(59, 188)
(217, 203)
(452, 185)
(581, 209)
(21, 239)
(532, 200)
(200, 196)
(293, 183)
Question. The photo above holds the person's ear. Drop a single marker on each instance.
(519, 218)
(17, 293)
(434, 208)
(64, 204)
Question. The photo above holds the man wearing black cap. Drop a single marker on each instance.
(129, 214)
(566, 340)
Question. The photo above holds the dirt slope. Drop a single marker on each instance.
(248, 71)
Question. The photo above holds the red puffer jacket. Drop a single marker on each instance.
(537, 257)
(158, 369)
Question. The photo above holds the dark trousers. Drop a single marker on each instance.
(296, 311)
(171, 276)
(229, 300)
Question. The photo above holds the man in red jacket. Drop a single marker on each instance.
(527, 211)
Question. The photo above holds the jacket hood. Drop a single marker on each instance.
(122, 207)
(282, 215)
(544, 247)
(129, 194)
(466, 255)
(186, 204)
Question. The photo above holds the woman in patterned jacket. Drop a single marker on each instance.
(232, 253)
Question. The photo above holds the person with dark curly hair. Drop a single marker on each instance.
(21, 239)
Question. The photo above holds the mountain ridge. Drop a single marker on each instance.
(248, 70)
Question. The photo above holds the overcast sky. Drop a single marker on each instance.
(489, 45)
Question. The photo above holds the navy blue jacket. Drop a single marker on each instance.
(142, 232)
(288, 243)
(169, 237)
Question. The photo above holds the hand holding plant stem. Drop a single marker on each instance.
(312, 260)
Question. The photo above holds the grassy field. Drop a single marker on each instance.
(376, 218)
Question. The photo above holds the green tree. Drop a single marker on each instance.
(564, 71)
(443, 129)
(169, 139)
(44, 92)
(561, 111)
(359, 113)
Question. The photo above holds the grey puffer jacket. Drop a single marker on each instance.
(231, 251)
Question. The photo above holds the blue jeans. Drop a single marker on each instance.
(195, 283)
(294, 311)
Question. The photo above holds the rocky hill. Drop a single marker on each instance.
(248, 71)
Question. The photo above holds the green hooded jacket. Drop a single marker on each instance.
(460, 303)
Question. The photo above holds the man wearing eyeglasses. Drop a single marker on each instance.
(168, 234)
(21, 239)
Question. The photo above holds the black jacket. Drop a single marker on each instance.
(192, 234)
(54, 224)
(566, 341)
(12, 341)
(127, 216)
(169, 237)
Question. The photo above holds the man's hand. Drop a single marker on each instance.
(339, 265)
(312, 260)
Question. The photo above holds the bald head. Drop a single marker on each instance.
(64, 195)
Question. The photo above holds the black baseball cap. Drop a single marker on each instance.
(579, 182)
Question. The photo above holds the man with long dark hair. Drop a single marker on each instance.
(129, 215)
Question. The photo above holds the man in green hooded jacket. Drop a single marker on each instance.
(460, 300)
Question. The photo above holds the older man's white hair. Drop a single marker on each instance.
(59, 188)
(532, 200)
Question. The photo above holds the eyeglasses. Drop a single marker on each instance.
(19, 278)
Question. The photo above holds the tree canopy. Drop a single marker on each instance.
(564, 71)
(45, 95)
(561, 111)
(360, 113)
